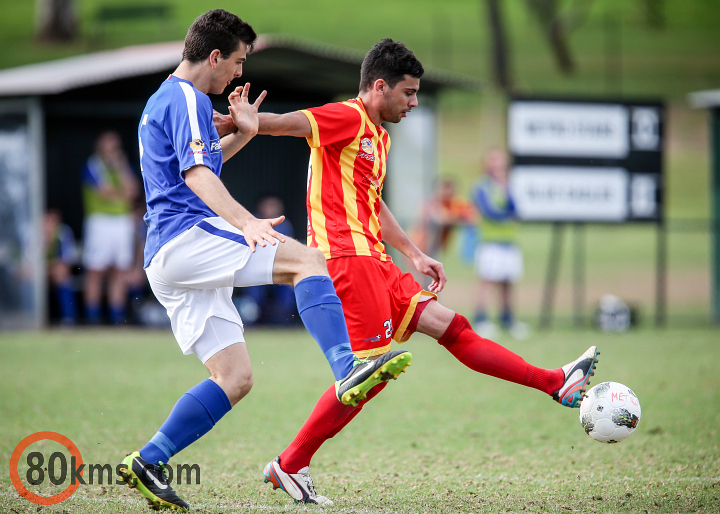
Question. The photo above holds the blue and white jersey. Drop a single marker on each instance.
(176, 133)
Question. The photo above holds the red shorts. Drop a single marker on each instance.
(379, 302)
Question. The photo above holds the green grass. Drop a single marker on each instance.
(441, 439)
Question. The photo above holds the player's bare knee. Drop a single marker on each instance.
(238, 385)
(296, 262)
(316, 263)
(311, 263)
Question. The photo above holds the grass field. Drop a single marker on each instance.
(441, 439)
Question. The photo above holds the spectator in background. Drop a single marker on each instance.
(109, 188)
(61, 256)
(442, 213)
(445, 212)
(498, 259)
(272, 303)
(137, 281)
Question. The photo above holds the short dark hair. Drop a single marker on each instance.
(391, 61)
(216, 29)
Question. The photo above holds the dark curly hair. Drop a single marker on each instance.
(391, 61)
(216, 29)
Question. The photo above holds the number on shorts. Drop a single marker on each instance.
(388, 329)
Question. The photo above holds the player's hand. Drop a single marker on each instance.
(261, 232)
(224, 123)
(245, 114)
(433, 269)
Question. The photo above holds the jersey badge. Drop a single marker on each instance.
(366, 145)
(197, 145)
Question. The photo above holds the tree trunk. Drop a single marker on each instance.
(553, 25)
(500, 53)
(56, 20)
(655, 13)
(558, 43)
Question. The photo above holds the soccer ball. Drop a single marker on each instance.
(609, 412)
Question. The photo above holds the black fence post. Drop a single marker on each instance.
(551, 277)
(579, 275)
(661, 275)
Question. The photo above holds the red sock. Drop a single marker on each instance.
(327, 419)
(488, 357)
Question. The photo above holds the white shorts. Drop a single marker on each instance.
(108, 242)
(499, 262)
(193, 276)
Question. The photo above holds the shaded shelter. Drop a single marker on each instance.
(51, 113)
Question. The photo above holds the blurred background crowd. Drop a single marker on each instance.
(76, 73)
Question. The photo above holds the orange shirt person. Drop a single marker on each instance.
(443, 213)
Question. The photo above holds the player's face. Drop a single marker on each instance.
(399, 100)
(226, 70)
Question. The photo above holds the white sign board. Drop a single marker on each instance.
(560, 129)
(568, 193)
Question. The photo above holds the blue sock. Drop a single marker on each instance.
(506, 318)
(117, 315)
(66, 299)
(92, 313)
(195, 413)
(480, 317)
(321, 312)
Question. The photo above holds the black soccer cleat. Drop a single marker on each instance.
(366, 374)
(151, 482)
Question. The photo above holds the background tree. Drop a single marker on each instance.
(500, 52)
(655, 13)
(56, 20)
(557, 19)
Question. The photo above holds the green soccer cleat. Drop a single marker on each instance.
(366, 374)
(151, 482)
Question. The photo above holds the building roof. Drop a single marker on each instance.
(705, 99)
(323, 67)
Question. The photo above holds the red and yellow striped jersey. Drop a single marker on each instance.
(347, 171)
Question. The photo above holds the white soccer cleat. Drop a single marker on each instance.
(298, 485)
(577, 378)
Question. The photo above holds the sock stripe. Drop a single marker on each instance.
(338, 352)
(164, 444)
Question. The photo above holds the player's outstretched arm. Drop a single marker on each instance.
(289, 124)
(211, 190)
(395, 236)
(244, 116)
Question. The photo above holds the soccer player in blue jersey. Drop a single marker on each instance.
(201, 243)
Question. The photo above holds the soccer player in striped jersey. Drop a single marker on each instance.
(350, 223)
(201, 243)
